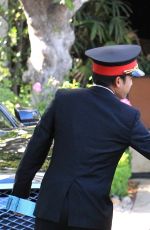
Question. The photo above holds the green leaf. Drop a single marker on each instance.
(69, 4)
(94, 31)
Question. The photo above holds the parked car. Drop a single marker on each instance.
(23, 116)
(15, 132)
(8, 219)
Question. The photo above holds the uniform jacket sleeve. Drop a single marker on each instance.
(140, 137)
(35, 153)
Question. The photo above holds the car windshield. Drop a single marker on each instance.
(10, 116)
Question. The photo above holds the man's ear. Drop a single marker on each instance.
(118, 82)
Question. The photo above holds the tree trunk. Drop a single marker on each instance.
(51, 38)
(3, 20)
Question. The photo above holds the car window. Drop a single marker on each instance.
(4, 122)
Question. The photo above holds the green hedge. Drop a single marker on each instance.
(122, 175)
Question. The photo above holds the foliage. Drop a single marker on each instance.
(144, 63)
(70, 85)
(43, 97)
(68, 3)
(78, 72)
(98, 23)
(14, 47)
(10, 99)
(101, 22)
(122, 175)
(14, 51)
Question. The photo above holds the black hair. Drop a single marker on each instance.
(105, 80)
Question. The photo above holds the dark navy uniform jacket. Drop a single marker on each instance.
(91, 129)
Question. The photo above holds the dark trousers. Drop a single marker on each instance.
(41, 224)
(49, 225)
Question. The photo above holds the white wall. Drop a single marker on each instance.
(139, 162)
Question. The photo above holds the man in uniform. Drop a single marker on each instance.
(91, 128)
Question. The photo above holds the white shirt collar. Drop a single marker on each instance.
(101, 86)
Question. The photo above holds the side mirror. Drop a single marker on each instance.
(27, 116)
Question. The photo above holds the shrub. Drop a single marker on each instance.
(122, 175)
(10, 99)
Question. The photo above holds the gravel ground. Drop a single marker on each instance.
(133, 211)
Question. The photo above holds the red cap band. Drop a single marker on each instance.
(113, 70)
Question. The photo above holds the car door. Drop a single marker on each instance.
(13, 141)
